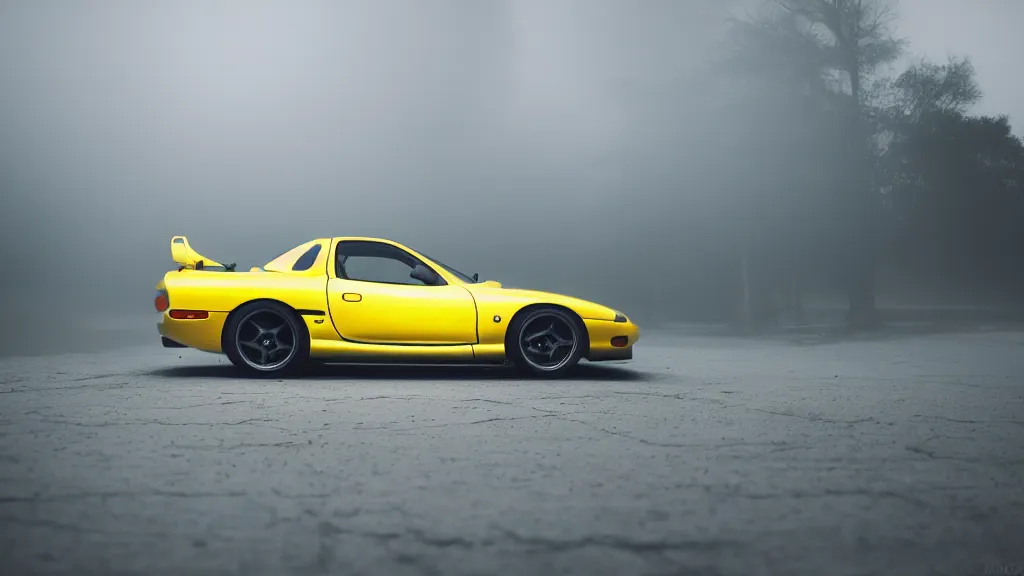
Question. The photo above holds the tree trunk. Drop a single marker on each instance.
(743, 314)
(756, 306)
(795, 305)
(862, 312)
(861, 272)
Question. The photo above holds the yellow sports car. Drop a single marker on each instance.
(373, 300)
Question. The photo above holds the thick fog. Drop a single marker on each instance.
(486, 133)
(556, 145)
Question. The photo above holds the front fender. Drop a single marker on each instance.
(497, 306)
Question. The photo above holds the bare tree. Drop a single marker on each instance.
(833, 49)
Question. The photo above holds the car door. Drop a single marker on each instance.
(373, 299)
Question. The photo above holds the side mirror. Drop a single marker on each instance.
(424, 274)
(476, 277)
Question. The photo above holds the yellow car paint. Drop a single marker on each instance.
(184, 255)
(351, 320)
(202, 334)
(345, 351)
(400, 314)
(601, 333)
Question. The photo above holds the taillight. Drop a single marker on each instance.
(161, 302)
(188, 314)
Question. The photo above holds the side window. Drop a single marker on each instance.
(378, 269)
(376, 262)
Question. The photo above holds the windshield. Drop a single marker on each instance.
(460, 275)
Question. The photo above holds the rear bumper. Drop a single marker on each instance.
(602, 332)
(168, 343)
(204, 334)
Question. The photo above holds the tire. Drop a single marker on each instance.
(266, 340)
(546, 330)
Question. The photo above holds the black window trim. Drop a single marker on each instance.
(338, 272)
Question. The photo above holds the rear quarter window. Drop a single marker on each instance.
(306, 261)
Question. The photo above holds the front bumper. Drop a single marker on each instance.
(602, 332)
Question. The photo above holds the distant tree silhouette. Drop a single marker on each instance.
(848, 40)
(953, 181)
(851, 160)
(825, 53)
(824, 169)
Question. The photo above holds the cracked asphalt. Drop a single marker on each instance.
(703, 456)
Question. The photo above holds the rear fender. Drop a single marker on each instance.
(300, 319)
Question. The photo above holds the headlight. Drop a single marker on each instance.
(620, 317)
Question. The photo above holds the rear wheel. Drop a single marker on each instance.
(266, 339)
(546, 342)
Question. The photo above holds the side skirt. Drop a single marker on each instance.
(340, 351)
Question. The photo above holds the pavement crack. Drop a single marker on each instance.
(96, 377)
(622, 434)
(149, 423)
(51, 524)
(622, 543)
(933, 455)
(866, 493)
(327, 529)
(118, 494)
(503, 403)
(444, 541)
(679, 396)
(797, 495)
(387, 398)
(189, 407)
(472, 423)
(216, 447)
(285, 495)
(33, 390)
(512, 418)
(644, 441)
(959, 421)
(568, 397)
(618, 543)
(814, 417)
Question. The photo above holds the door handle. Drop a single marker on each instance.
(351, 297)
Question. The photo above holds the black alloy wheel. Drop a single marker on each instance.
(546, 342)
(266, 339)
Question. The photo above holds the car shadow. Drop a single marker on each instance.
(582, 372)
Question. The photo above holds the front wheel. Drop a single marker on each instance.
(266, 339)
(546, 342)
